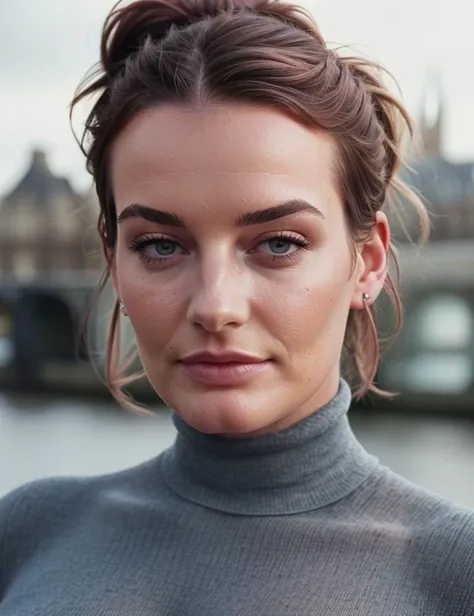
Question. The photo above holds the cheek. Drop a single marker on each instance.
(314, 307)
(154, 309)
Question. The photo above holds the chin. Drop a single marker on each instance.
(226, 412)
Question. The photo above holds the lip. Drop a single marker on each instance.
(221, 358)
(223, 369)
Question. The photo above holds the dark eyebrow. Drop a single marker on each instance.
(149, 213)
(295, 206)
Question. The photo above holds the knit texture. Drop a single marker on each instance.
(296, 523)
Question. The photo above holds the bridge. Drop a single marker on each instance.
(42, 330)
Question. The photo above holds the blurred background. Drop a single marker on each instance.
(55, 415)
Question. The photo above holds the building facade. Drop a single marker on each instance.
(46, 228)
(446, 187)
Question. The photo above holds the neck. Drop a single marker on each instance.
(313, 463)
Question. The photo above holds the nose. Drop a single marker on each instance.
(221, 295)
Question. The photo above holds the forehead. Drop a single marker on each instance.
(173, 149)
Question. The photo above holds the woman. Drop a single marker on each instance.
(241, 168)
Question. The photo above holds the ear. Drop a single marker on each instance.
(372, 261)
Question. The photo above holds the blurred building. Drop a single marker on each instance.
(446, 187)
(46, 228)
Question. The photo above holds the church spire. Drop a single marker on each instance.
(431, 120)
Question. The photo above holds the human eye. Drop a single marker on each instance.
(282, 246)
(156, 249)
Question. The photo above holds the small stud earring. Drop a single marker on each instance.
(122, 309)
(365, 296)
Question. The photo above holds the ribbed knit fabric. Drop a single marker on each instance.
(296, 523)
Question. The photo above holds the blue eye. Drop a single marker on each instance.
(279, 245)
(155, 249)
(163, 248)
(282, 246)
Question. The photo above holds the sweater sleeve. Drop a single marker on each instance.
(31, 517)
(13, 508)
(449, 574)
(462, 561)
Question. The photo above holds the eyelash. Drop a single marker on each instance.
(141, 243)
(291, 238)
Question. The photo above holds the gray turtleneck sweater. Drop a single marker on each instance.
(296, 523)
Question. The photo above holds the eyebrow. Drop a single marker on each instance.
(257, 217)
(295, 206)
(151, 214)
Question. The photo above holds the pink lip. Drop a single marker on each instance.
(224, 369)
(221, 358)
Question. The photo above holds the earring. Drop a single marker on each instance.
(122, 309)
(365, 296)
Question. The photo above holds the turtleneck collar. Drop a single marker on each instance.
(313, 463)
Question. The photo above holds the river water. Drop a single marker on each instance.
(47, 436)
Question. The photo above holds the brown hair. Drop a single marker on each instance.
(270, 53)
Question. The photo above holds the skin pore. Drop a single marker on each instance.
(199, 267)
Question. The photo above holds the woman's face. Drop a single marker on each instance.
(234, 263)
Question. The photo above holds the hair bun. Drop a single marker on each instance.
(127, 27)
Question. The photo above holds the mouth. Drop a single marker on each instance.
(223, 369)
(226, 357)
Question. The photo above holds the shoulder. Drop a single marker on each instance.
(446, 557)
(38, 516)
(48, 505)
(426, 513)
(39, 496)
(44, 503)
(439, 540)
(30, 516)
(37, 509)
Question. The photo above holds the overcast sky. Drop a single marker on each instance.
(47, 45)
